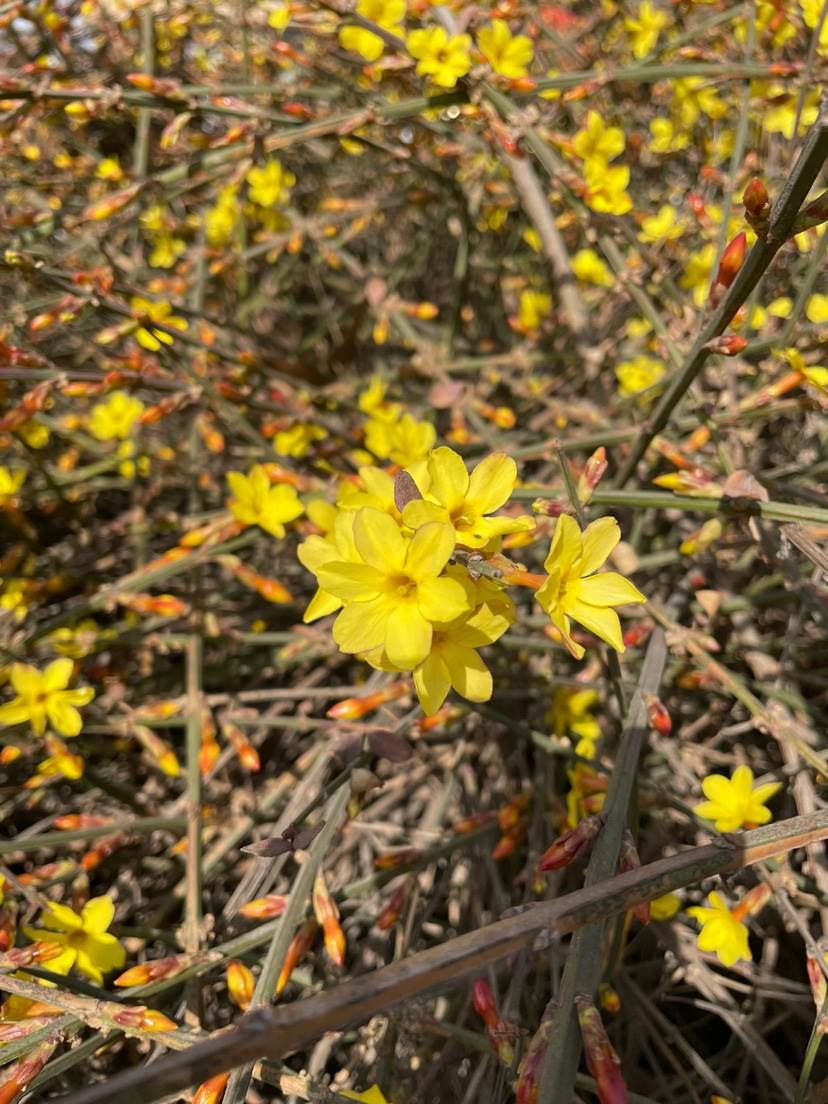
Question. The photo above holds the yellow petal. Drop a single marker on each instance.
(600, 537)
(351, 582)
(491, 483)
(449, 478)
(321, 605)
(96, 914)
(441, 599)
(379, 541)
(26, 680)
(362, 625)
(429, 550)
(14, 712)
(470, 676)
(408, 636)
(601, 621)
(432, 683)
(609, 589)
(63, 717)
(61, 918)
(565, 547)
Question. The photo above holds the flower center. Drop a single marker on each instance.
(402, 585)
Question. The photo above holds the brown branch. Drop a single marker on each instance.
(275, 1032)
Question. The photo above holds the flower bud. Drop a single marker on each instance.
(211, 1092)
(240, 984)
(729, 345)
(327, 914)
(608, 998)
(17, 1077)
(602, 1061)
(393, 909)
(145, 1019)
(472, 823)
(657, 715)
(573, 844)
(299, 947)
(153, 971)
(529, 1071)
(265, 908)
(755, 199)
(392, 860)
(732, 260)
(110, 206)
(484, 1001)
(508, 842)
(592, 475)
(510, 814)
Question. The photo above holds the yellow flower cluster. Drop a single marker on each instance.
(606, 185)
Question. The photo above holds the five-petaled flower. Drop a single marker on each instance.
(147, 312)
(464, 500)
(270, 183)
(114, 418)
(573, 592)
(42, 696)
(88, 945)
(256, 502)
(394, 595)
(509, 55)
(735, 802)
(445, 59)
(722, 932)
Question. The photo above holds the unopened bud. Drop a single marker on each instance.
(815, 213)
(265, 908)
(602, 1061)
(153, 971)
(240, 984)
(756, 201)
(732, 260)
(483, 1000)
(393, 909)
(526, 1089)
(17, 1077)
(327, 915)
(657, 715)
(299, 947)
(508, 842)
(608, 998)
(392, 860)
(144, 1019)
(592, 475)
(702, 538)
(211, 1092)
(573, 844)
(728, 345)
(510, 814)
(548, 507)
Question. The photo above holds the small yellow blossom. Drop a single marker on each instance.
(575, 592)
(297, 439)
(372, 401)
(692, 98)
(42, 696)
(643, 30)
(34, 433)
(665, 226)
(638, 374)
(596, 141)
(697, 272)
(666, 907)
(220, 220)
(256, 502)
(87, 942)
(445, 59)
(113, 419)
(533, 307)
(10, 483)
(388, 14)
(812, 16)
(571, 712)
(781, 307)
(166, 250)
(395, 594)
(606, 188)
(15, 598)
(509, 55)
(109, 168)
(816, 309)
(279, 16)
(666, 138)
(735, 802)
(148, 312)
(722, 932)
(589, 268)
(402, 442)
(463, 501)
(270, 183)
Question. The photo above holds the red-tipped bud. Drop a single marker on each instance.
(498, 1031)
(657, 715)
(816, 979)
(484, 1002)
(548, 507)
(508, 842)
(327, 915)
(351, 709)
(509, 815)
(601, 1058)
(755, 198)
(592, 475)
(142, 1018)
(732, 260)
(17, 1077)
(526, 1089)
(35, 953)
(240, 984)
(573, 844)
(727, 345)
(265, 908)
(815, 213)
(393, 909)
(753, 901)
(472, 823)
(153, 971)
(696, 204)
(392, 860)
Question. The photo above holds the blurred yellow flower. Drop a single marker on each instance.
(402, 442)
(596, 141)
(665, 226)
(297, 439)
(589, 268)
(643, 29)
(114, 418)
(148, 312)
(42, 696)
(533, 307)
(445, 59)
(638, 374)
(256, 502)
(509, 55)
(270, 183)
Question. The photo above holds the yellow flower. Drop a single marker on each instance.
(462, 500)
(372, 401)
(443, 59)
(588, 267)
(113, 419)
(279, 17)
(370, 1096)
(533, 307)
(146, 311)
(697, 272)
(509, 55)
(387, 14)
(270, 183)
(220, 219)
(34, 433)
(811, 15)
(10, 483)
(644, 29)
(598, 142)
(88, 943)
(109, 168)
(666, 907)
(638, 374)
(692, 98)
(665, 226)
(256, 502)
(403, 442)
(43, 696)
(571, 711)
(666, 138)
(606, 187)
(453, 662)
(735, 802)
(816, 311)
(722, 932)
(781, 307)
(394, 595)
(166, 250)
(15, 598)
(574, 592)
(296, 440)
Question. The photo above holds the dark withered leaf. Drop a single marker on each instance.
(305, 836)
(269, 848)
(390, 745)
(405, 490)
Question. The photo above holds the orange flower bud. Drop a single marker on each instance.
(592, 475)
(729, 345)
(27, 956)
(753, 901)
(153, 971)
(240, 984)
(247, 754)
(602, 1061)
(17, 1077)
(102, 849)
(351, 709)
(755, 199)
(327, 915)
(211, 1092)
(472, 823)
(146, 1019)
(697, 483)
(444, 716)
(8, 754)
(572, 844)
(732, 260)
(264, 908)
(393, 860)
(110, 206)
(80, 820)
(155, 85)
(299, 947)
(696, 204)
(508, 842)
(510, 814)
(657, 715)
